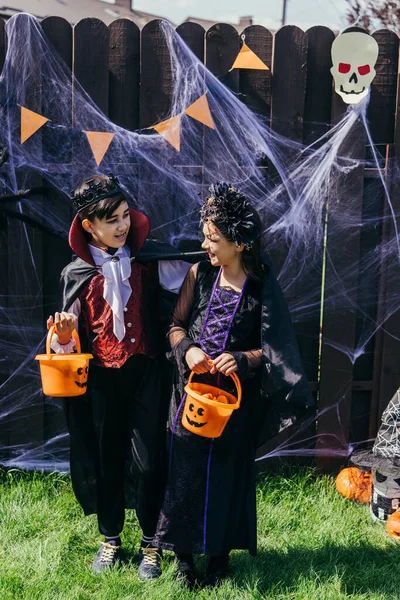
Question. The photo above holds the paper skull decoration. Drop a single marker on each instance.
(354, 55)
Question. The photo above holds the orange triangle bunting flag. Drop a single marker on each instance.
(171, 131)
(30, 123)
(99, 142)
(247, 59)
(200, 111)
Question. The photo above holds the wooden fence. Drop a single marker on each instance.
(127, 73)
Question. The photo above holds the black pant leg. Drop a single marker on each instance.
(109, 412)
(146, 444)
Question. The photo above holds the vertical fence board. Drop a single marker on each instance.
(339, 326)
(91, 58)
(156, 83)
(222, 48)
(288, 104)
(289, 82)
(387, 353)
(288, 93)
(193, 35)
(59, 34)
(318, 100)
(317, 113)
(124, 67)
(156, 87)
(56, 251)
(4, 291)
(256, 85)
(26, 264)
(382, 107)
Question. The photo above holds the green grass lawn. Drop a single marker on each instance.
(313, 545)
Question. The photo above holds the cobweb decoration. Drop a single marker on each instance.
(296, 189)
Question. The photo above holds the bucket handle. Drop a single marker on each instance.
(236, 381)
(52, 331)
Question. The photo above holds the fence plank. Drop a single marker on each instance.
(256, 85)
(387, 346)
(339, 326)
(318, 98)
(289, 82)
(317, 114)
(26, 264)
(288, 104)
(222, 47)
(156, 91)
(193, 35)
(91, 59)
(4, 289)
(59, 34)
(382, 107)
(124, 67)
(56, 251)
(156, 86)
(382, 117)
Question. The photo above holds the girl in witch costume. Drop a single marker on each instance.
(230, 317)
(116, 429)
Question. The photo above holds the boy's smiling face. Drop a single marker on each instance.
(110, 232)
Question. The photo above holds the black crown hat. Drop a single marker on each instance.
(232, 213)
(96, 192)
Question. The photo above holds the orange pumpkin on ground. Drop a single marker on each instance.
(355, 484)
(393, 525)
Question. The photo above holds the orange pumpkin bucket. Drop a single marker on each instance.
(63, 374)
(207, 416)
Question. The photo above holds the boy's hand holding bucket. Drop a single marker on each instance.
(65, 324)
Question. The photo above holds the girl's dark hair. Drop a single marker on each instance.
(238, 221)
(105, 207)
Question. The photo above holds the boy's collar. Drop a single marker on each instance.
(138, 232)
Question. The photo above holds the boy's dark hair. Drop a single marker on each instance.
(105, 207)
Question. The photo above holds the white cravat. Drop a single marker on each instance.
(116, 270)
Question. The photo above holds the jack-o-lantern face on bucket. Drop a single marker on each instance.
(196, 415)
(81, 377)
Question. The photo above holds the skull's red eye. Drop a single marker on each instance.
(364, 70)
(344, 67)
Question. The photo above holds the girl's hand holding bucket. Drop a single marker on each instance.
(225, 363)
(197, 360)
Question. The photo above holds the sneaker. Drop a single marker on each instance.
(106, 557)
(186, 573)
(149, 563)
(217, 570)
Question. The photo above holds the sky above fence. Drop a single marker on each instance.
(304, 13)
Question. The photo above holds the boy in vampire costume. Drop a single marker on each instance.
(117, 428)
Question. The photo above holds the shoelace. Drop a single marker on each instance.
(108, 552)
(150, 556)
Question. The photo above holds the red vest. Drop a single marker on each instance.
(141, 318)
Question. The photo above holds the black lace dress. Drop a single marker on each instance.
(210, 501)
